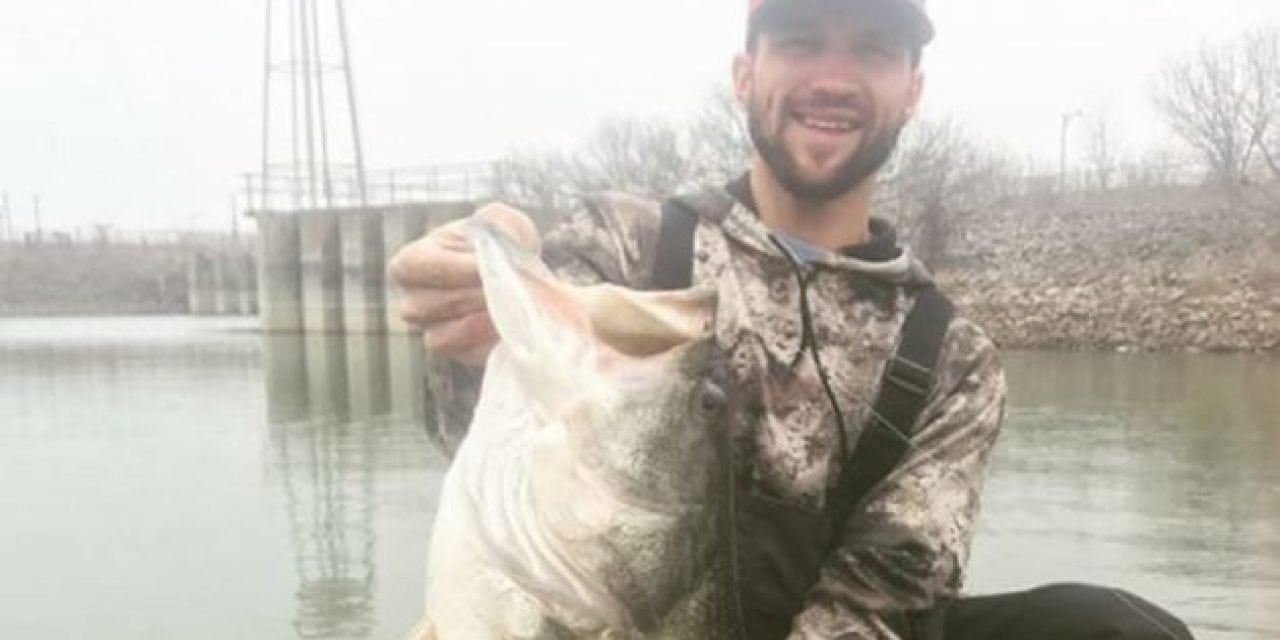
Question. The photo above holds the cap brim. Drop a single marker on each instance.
(906, 17)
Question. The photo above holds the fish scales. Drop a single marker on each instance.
(589, 498)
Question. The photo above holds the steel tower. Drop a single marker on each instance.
(312, 155)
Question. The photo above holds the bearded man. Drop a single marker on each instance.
(854, 510)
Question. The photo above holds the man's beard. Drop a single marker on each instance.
(872, 153)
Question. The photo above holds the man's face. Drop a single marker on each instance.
(826, 94)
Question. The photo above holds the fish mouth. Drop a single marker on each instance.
(541, 314)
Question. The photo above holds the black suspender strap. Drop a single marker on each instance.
(904, 387)
(673, 261)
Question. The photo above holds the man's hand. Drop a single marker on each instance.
(441, 285)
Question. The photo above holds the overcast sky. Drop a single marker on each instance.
(144, 113)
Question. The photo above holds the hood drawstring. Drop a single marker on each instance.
(809, 342)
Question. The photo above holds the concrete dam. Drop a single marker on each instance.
(324, 271)
(334, 344)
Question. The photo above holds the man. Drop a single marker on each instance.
(814, 295)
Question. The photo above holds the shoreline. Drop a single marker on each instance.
(1108, 318)
(1162, 270)
(1051, 326)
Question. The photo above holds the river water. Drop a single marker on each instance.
(188, 478)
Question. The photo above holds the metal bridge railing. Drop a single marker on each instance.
(288, 188)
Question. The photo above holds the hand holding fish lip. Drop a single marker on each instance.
(585, 499)
(440, 284)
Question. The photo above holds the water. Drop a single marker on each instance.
(1152, 472)
(186, 478)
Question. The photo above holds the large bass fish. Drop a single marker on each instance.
(590, 496)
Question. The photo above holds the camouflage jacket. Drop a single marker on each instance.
(906, 546)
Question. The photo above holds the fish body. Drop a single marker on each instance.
(589, 498)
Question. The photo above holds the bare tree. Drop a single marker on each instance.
(644, 157)
(938, 172)
(1222, 101)
(1156, 167)
(1260, 55)
(652, 158)
(719, 142)
(536, 182)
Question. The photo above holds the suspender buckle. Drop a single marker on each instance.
(909, 376)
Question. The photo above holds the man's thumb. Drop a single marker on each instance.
(514, 222)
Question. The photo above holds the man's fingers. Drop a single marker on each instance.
(514, 222)
(463, 337)
(431, 306)
(443, 259)
(427, 264)
(441, 285)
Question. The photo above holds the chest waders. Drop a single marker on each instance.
(780, 548)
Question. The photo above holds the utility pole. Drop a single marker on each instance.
(1062, 150)
(35, 201)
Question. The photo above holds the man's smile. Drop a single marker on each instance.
(828, 121)
(824, 132)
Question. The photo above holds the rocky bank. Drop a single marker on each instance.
(1180, 269)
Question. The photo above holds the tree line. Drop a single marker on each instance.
(1221, 100)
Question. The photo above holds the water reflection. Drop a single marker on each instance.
(1153, 472)
(328, 397)
(147, 449)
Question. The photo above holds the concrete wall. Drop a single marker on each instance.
(221, 283)
(337, 344)
(363, 271)
(320, 243)
(279, 273)
(200, 285)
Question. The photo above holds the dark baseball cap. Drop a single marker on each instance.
(908, 15)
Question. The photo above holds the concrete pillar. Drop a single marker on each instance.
(224, 282)
(367, 375)
(321, 248)
(363, 269)
(326, 375)
(200, 285)
(405, 360)
(279, 272)
(245, 266)
(285, 364)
